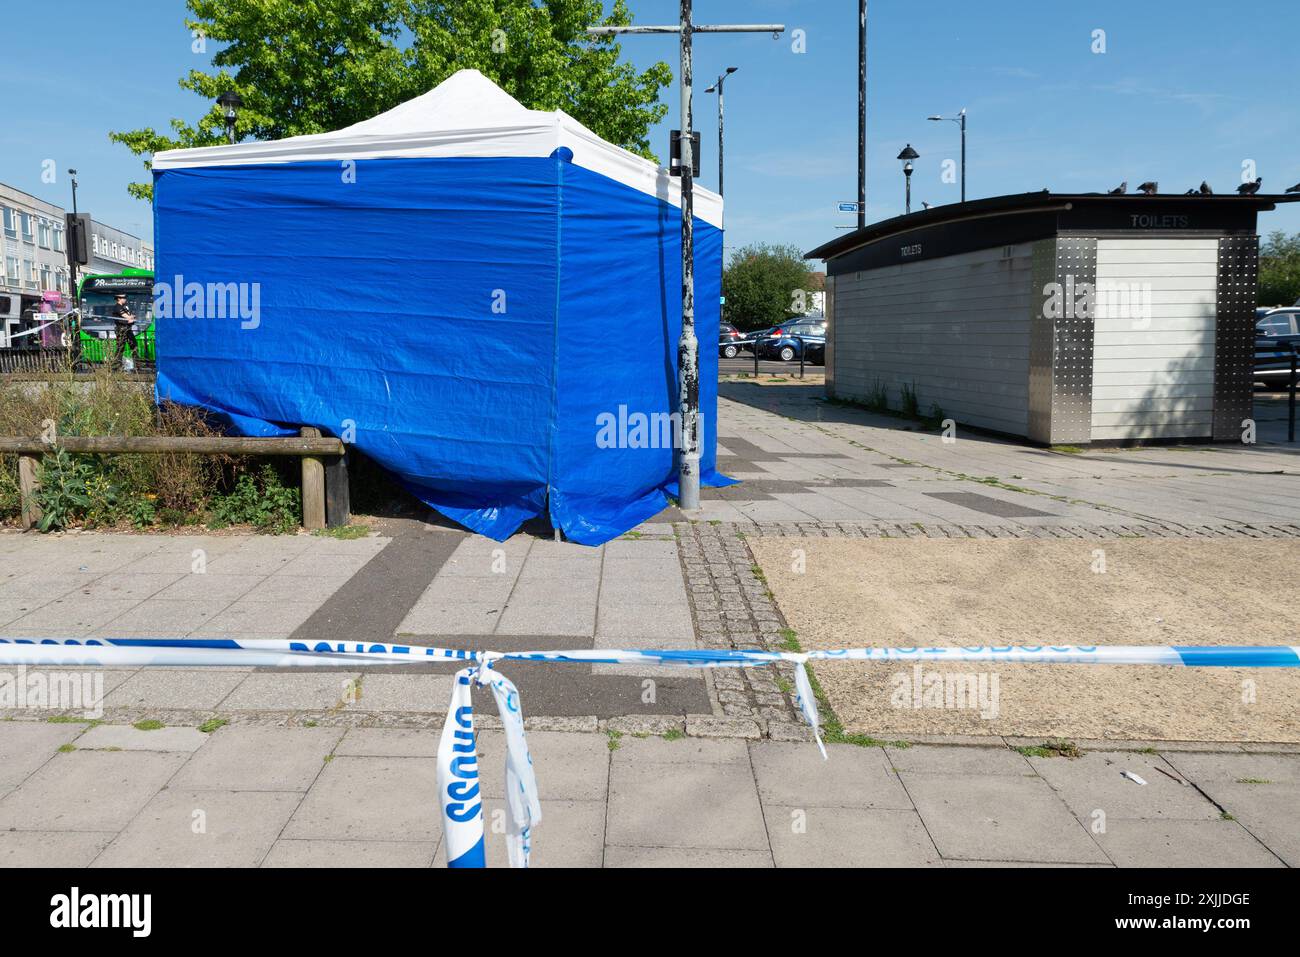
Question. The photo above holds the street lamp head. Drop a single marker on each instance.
(907, 168)
(909, 154)
(711, 89)
(934, 117)
(230, 102)
(732, 69)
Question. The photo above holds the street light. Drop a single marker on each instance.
(907, 155)
(71, 240)
(718, 88)
(230, 102)
(960, 119)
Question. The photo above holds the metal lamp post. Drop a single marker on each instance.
(959, 119)
(70, 241)
(718, 88)
(907, 155)
(688, 371)
(230, 103)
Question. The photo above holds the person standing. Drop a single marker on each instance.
(124, 319)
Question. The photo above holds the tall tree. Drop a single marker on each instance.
(310, 66)
(762, 283)
(1279, 270)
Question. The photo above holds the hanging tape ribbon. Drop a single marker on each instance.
(460, 795)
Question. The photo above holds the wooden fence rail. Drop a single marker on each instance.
(325, 498)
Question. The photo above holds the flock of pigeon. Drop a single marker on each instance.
(1152, 187)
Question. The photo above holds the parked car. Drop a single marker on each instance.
(748, 339)
(786, 341)
(729, 338)
(1277, 333)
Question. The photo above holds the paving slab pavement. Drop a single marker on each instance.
(323, 797)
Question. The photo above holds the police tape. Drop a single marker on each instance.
(460, 796)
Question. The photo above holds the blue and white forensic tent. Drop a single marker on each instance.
(483, 298)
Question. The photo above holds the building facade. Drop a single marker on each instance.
(1067, 319)
(34, 257)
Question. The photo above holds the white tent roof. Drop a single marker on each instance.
(465, 115)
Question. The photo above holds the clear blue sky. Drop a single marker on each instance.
(1186, 91)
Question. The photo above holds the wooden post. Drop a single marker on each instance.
(28, 470)
(338, 498)
(313, 486)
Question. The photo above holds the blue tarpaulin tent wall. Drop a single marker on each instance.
(484, 299)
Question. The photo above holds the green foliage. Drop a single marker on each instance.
(64, 493)
(1279, 270)
(262, 501)
(910, 404)
(311, 66)
(878, 398)
(760, 284)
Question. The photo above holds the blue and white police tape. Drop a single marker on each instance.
(460, 795)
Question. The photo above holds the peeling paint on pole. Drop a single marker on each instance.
(688, 369)
(688, 346)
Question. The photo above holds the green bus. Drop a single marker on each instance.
(98, 331)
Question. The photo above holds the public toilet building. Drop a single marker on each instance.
(1066, 319)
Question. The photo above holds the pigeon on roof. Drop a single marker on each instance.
(1120, 190)
(1294, 189)
(1149, 188)
(1205, 189)
(1250, 189)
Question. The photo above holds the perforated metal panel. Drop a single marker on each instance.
(1041, 341)
(1076, 270)
(1234, 335)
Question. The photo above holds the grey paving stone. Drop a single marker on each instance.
(371, 799)
(1094, 782)
(26, 745)
(1266, 810)
(570, 834)
(274, 691)
(112, 737)
(670, 621)
(931, 759)
(242, 758)
(680, 751)
(394, 692)
(88, 791)
(683, 857)
(204, 587)
(282, 586)
(795, 775)
(451, 618)
(184, 828)
(150, 688)
(570, 767)
(698, 805)
(247, 617)
(74, 616)
(51, 848)
(548, 620)
(167, 619)
(999, 817)
(1172, 843)
(124, 585)
(389, 743)
(580, 592)
(351, 854)
(1228, 768)
(710, 727)
(807, 836)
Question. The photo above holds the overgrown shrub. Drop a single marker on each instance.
(262, 501)
(137, 489)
